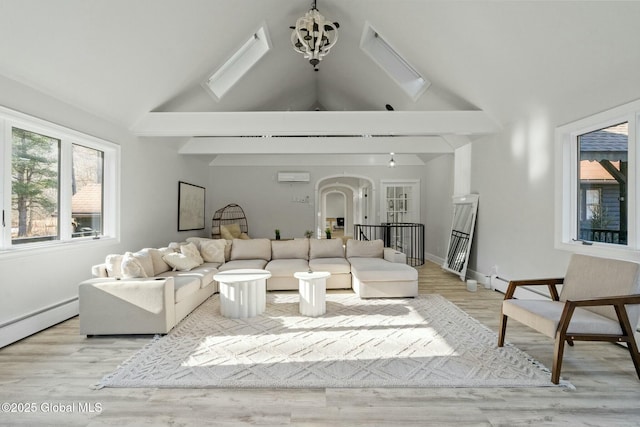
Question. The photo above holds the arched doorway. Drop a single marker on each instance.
(357, 195)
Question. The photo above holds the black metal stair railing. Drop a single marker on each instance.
(406, 237)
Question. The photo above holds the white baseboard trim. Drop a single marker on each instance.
(434, 259)
(20, 328)
(500, 284)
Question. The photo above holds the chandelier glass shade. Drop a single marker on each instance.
(313, 36)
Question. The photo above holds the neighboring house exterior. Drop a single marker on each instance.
(86, 210)
(603, 189)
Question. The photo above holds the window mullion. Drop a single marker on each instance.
(5, 184)
(633, 191)
(64, 216)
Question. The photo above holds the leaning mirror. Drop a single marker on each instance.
(462, 227)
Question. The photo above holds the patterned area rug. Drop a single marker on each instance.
(414, 342)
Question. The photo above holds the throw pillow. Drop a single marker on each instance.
(144, 256)
(213, 250)
(230, 231)
(113, 265)
(179, 261)
(192, 251)
(159, 266)
(131, 267)
(244, 236)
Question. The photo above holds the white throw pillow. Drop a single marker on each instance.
(113, 265)
(131, 267)
(144, 256)
(179, 261)
(192, 251)
(213, 250)
(159, 266)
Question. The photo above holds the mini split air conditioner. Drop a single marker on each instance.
(293, 177)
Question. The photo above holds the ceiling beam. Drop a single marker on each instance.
(316, 145)
(291, 123)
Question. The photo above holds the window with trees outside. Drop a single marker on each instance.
(58, 184)
(597, 202)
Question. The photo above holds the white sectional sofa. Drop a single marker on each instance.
(140, 293)
(150, 291)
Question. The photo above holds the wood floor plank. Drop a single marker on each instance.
(59, 366)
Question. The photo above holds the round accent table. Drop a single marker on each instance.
(242, 292)
(313, 287)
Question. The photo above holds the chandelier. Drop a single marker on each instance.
(313, 36)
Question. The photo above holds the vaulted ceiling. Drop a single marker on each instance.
(493, 61)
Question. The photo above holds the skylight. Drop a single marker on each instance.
(393, 63)
(239, 64)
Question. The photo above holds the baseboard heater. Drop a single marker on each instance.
(38, 320)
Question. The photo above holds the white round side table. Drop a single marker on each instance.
(242, 292)
(313, 288)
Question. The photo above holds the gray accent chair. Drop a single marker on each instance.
(599, 301)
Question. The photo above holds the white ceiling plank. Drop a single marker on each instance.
(181, 124)
(316, 145)
(299, 161)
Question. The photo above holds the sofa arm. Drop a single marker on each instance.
(393, 255)
(131, 306)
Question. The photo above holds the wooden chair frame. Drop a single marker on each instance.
(617, 302)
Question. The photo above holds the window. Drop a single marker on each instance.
(596, 205)
(591, 206)
(58, 185)
(602, 180)
(34, 186)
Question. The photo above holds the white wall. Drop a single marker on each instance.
(34, 281)
(514, 174)
(335, 205)
(268, 204)
(437, 192)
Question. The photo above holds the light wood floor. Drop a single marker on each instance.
(58, 367)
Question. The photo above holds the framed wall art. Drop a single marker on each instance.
(190, 206)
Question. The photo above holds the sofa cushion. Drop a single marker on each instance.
(179, 261)
(365, 248)
(204, 273)
(230, 231)
(185, 286)
(290, 249)
(379, 270)
(113, 265)
(132, 267)
(544, 316)
(258, 264)
(286, 267)
(192, 251)
(326, 248)
(332, 265)
(251, 249)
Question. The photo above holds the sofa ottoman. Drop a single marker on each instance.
(374, 273)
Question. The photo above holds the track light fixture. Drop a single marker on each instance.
(392, 163)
